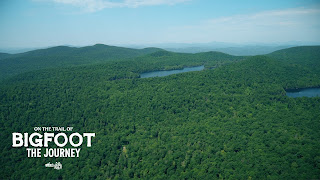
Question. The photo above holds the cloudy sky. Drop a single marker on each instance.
(41, 23)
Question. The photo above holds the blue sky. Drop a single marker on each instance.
(41, 23)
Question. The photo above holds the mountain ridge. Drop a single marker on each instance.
(63, 56)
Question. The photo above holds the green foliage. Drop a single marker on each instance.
(63, 56)
(306, 55)
(4, 55)
(231, 122)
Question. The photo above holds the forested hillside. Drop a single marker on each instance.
(230, 122)
(304, 55)
(63, 56)
(4, 55)
(137, 61)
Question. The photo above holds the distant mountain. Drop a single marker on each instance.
(185, 45)
(236, 51)
(251, 50)
(63, 56)
(17, 50)
(100, 51)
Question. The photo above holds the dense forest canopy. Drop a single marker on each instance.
(305, 55)
(230, 122)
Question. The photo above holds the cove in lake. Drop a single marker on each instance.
(167, 73)
(306, 92)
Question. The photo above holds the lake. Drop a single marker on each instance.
(167, 73)
(306, 92)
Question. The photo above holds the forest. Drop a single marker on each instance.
(231, 120)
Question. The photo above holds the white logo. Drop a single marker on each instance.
(56, 166)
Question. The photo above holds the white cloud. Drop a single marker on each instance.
(269, 17)
(273, 26)
(96, 5)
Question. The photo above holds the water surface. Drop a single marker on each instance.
(306, 92)
(167, 73)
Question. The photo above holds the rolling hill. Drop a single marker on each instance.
(303, 55)
(63, 56)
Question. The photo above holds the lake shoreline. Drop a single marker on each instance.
(162, 73)
(303, 92)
